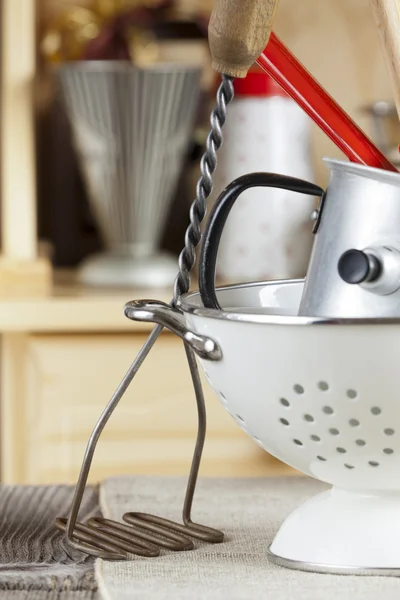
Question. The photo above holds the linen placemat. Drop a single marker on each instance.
(35, 562)
(250, 512)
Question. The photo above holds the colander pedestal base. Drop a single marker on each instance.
(342, 531)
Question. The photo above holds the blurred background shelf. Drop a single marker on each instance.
(72, 307)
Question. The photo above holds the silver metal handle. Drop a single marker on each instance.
(154, 311)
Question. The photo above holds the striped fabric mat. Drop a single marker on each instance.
(35, 563)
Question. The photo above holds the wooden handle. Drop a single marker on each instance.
(238, 32)
(387, 19)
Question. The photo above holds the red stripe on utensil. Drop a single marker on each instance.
(299, 84)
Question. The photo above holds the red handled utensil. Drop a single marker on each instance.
(301, 86)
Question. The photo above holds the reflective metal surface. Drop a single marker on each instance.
(152, 311)
(361, 211)
(188, 304)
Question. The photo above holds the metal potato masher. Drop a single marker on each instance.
(193, 317)
(140, 533)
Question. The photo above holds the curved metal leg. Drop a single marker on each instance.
(78, 539)
(202, 532)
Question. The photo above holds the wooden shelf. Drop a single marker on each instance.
(69, 308)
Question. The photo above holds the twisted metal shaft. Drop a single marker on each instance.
(208, 165)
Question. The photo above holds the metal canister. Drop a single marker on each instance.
(354, 270)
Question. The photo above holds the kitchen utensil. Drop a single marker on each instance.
(354, 270)
(299, 84)
(387, 19)
(146, 534)
(266, 130)
(320, 395)
(129, 123)
(238, 32)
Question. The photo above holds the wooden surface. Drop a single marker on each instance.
(387, 19)
(18, 276)
(18, 217)
(238, 32)
(56, 386)
(20, 263)
(70, 307)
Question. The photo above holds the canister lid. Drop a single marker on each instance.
(257, 83)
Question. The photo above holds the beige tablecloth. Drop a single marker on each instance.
(250, 513)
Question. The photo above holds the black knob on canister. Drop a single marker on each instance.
(356, 266)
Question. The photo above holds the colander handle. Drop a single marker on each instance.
(219, 215)
(154, 311)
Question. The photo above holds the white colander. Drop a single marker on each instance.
(322, 396)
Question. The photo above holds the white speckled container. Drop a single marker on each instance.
(268, 233)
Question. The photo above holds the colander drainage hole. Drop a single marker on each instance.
(389, 431)
(321, 458)
(373, 463)
(315, 438)
(349, 466)
(328, 410)
(309, 418)
(284, 422)
(354, 423)
(298, 389)
(298, 443)
(351, 394)
(376, 410)
(361, 442)
(323, 386)
(334, 431)
(388, 450)
(285, 402)
(341, 450)
(239, 418)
